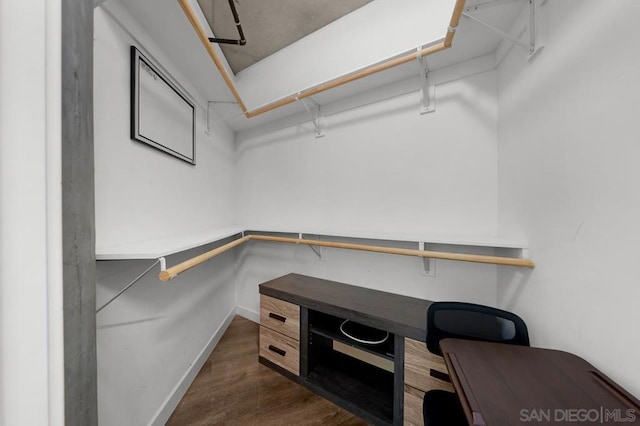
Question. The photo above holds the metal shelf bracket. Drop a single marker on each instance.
(428, 264)
(316, 116)
(531, 46)
(317, 250)
(427, 89)
(163, 266)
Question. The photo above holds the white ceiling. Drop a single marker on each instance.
(182, 46)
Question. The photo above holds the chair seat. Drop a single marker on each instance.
(442, 408)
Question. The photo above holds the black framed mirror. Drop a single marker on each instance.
(161, 115)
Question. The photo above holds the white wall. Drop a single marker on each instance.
(152, 339)
(141, 193)
(568, 181)
(380, 169)
(262, 261)
(31, 326)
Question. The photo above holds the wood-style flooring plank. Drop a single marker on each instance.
(232, 388)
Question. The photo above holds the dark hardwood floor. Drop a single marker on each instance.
(234, 389)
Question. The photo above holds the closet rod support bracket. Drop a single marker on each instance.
(159, 260)
(316, 116)
(427, 88)
(428, 264)
(498, 31)
(535, 42)
(316, 249)
(532, 46)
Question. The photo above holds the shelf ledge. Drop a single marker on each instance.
(415, 237)
(153, 249)
(172, 272)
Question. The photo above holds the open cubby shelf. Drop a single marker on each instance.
(367, 387)
(329, 326)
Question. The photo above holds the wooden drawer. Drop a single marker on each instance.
(280, 349)
(418, 363)
(280, 316)
(413, 406)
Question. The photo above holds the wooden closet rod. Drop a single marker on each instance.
(169, 273)
(204, 38)
(477, 258)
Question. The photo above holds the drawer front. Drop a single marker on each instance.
(280, 316)
(418, 366)
(280, 349)
(413, 415)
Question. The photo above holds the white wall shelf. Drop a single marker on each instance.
(152, 249)
(254, 234)
(428, 238)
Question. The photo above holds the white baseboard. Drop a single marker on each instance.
(248, 314)
(172, 401)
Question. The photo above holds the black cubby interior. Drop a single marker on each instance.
(328, 326)
(367, 387)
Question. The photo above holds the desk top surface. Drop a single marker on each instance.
(501, 384)
(402, 315)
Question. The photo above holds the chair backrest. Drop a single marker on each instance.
(473, 322)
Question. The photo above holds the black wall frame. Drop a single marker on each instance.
(161, 117)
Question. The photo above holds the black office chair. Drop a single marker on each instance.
(465, 321)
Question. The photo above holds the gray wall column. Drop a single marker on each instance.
(81, 403)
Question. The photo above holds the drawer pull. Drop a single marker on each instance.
(277, 350)
(439, 375)
(277, 317)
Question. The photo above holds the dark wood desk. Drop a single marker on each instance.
(300, 319)
(397, 314)
(500, 384)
